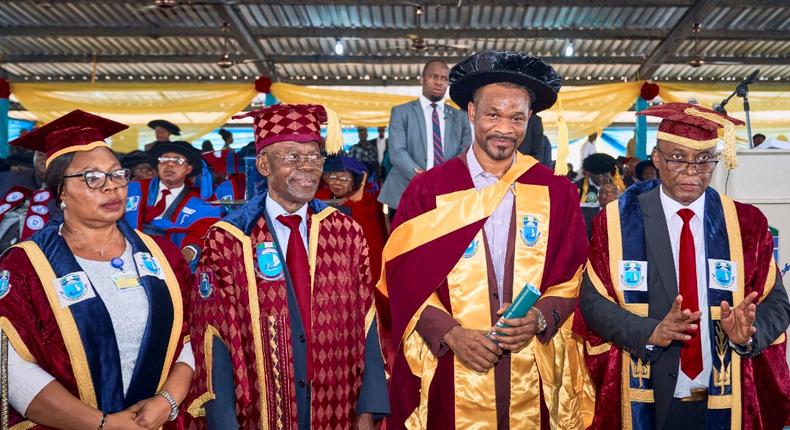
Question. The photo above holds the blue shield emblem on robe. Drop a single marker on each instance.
(723, 274)
(471, 250)
(631, 275)
(71, 287)
(5, 286)
(204, 286)
(530, 232)
(150, 264)
(269, 266)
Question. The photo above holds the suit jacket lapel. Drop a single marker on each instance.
(420, 150)
(659, 248)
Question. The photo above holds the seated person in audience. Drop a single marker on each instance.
(345, 180)
(645, 171)
(598, 170)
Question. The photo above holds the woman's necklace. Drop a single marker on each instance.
(80, 239)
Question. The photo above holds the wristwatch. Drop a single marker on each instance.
(173, 405)
(541, 321)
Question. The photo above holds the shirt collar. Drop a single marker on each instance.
(475, 169)
(274, 209)
(173, 191)
(671, 206)
(426, 104)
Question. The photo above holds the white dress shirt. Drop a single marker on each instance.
(675, 224)
(427, 111)
(497, 226)
(281, 231)
(588, 148)
(174, 192)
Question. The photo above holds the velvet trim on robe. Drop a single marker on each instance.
(76, 344)
(267, 341)
(414, 277)
(758, 381)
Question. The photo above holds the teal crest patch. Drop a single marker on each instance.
(73, 288)
(147, 265)
(633, 275)
(722, 275)
(471, 250)
(530, 230)
(269, 265)
(205, 286)
(5, 285)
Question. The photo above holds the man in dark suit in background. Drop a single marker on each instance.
(685, 311)
(423, 133)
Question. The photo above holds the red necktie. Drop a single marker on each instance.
(158, 209)
(691, 353)
(299, 268)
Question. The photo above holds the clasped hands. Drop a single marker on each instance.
(479, 353)
(737, 322)
(150, 414)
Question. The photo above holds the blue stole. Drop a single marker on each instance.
(95, 329)
(245, 219)
(224, 191)
(637, 373)
(194, 210)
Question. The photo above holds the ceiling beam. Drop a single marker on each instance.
(247, 42)
(679, 33)
(468, 3)
(359, 59)
(383, 33)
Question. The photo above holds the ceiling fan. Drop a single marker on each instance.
(224, 61)
(418, 43)
(165, 5)
(697, 60)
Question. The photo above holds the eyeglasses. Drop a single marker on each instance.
(704, 163)
(95, 179)
(341, 179)
(295, 159)
(175, 160)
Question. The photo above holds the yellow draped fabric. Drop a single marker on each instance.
(355, 108)
(197, 108)
(584, 109)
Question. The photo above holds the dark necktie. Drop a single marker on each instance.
(299, 269)
(158, 209)
(691, 353)
(438, 152)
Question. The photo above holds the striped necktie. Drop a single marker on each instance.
(438, 152)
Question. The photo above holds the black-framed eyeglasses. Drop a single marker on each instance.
(95, 179)
(294, 159)
(703, 164)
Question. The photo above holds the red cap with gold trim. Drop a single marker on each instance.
(695, 127)
(76, 131)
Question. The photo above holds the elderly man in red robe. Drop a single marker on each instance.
(468, 237)
(685, 311)
(284, 323)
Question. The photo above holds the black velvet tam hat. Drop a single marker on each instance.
(489, 67)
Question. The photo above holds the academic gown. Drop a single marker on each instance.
(54, 319)
(249, 341)
(437, 256)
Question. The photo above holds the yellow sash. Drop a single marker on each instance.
(475, 401)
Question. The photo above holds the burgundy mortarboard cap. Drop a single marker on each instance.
(294, 123)
(695, 127)
(74, 132)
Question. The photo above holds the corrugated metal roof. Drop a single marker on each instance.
(66, 36)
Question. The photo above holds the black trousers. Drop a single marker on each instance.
(686, 415)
